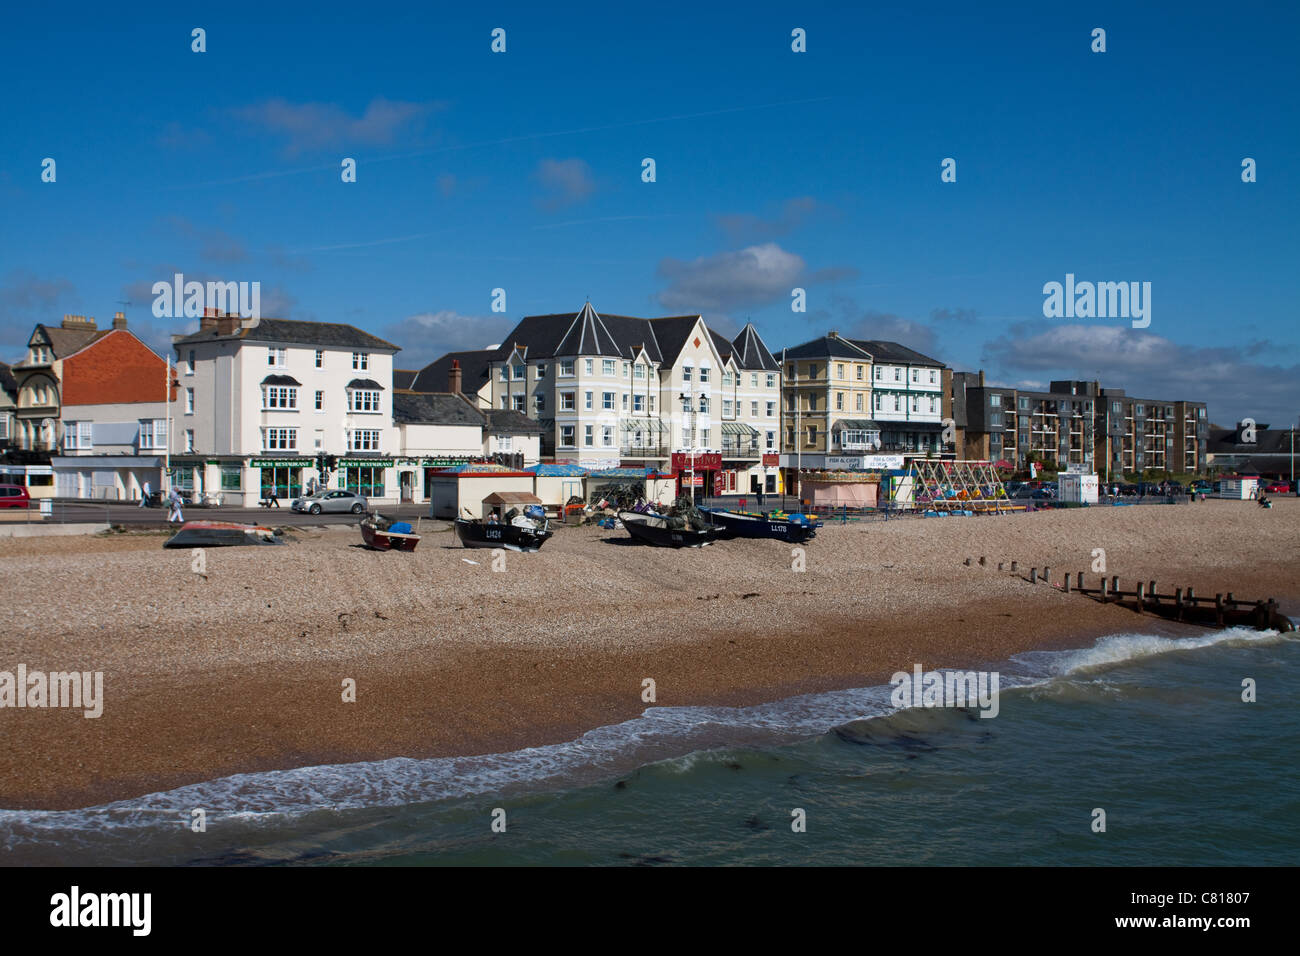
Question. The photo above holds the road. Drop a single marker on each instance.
(92, 512)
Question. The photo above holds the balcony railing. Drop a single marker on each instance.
(643, 451)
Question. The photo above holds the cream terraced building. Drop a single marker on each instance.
(618, 390)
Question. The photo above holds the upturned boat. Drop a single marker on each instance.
(744, 524)
(221, 534)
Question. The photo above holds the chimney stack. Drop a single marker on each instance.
(981, 378)
(119, 320)
(209, 320)
(227, 322)
(453, 377)
(78, 322)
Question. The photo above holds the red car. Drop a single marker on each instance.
(1278, 488)
(14, 496)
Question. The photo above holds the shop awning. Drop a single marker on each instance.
(739, 428)
(857, 425)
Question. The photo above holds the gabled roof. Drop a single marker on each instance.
(828, 346)
(404, 378)
(473, 372)
(434, 408)
(673, 332)
(751, 352)
(297, 332)
(63, 342)
(893, 353)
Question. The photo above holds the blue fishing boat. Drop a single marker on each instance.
(772, 524)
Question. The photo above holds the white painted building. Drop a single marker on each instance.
(256, 406)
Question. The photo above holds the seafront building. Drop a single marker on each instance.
(92, 404)
(1078, 423)
(858, 404)
(258, 403)
(659, 393)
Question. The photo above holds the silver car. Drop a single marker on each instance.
(334, 501)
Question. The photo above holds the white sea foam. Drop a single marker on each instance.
(660, 733)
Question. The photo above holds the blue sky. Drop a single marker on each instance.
(774, 169)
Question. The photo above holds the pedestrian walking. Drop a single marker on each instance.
(144, 501)
(174, 499)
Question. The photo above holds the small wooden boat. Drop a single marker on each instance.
(384, 534)
(772, 524)
(221, 534)
(659, 530)
(520, 533)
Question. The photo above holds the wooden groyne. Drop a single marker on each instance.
(1183, 604)
(1222, 610)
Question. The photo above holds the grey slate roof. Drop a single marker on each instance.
(297, 332)
(434, 408)
(366, 383)
(66, 341)
(589, 333)
(752, 352)
(447, 408)
(500, 421)
(434, 376)
(828, 346)
(404, 377)
(280, 380)
(895, 354)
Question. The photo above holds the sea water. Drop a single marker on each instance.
(1144, 732)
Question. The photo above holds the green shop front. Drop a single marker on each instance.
(281, 477)
(366, 476)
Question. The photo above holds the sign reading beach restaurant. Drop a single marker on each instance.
(703, 461)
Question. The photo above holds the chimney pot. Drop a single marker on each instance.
(119, 320)
(453, 377)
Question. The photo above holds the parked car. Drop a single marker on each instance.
(1278, 488)
(331, 501)
(1200, 485)
(14, 496)
(1128, 490)
(1011, 487)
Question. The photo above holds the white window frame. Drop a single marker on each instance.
(277, 357)
(279, 438)
(361, 361)
(360, 398)
(189, 401)
(279, 398)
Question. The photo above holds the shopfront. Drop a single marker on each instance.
(365, 476)
(280, 477)
(698, 469)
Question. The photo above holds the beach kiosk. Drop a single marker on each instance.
(1239, 487)
(1076, 487)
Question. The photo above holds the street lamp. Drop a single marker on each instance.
(686, 411)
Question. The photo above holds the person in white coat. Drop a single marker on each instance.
(144, 500)
(174, 499)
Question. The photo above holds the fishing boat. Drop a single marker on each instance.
(773, 524)
(384, 534)
(221, 534)
(526, 531)
(664, 531)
